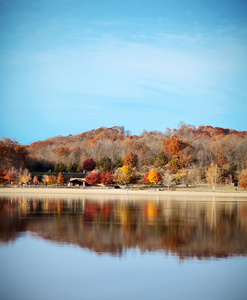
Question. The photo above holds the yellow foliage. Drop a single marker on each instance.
(213, 174)
(126, 176)
(25, 176)
(154, 176)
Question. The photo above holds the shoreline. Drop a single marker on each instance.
(51, 191)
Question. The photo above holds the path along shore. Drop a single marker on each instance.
(91, 192)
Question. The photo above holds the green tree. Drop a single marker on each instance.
(119, 163)
(72, 167)
(105, 163)
(59, 167)
(161, 160)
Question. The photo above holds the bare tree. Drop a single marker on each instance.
(168, 178)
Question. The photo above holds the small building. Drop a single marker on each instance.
(77, 182)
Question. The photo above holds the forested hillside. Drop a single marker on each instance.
(189, 154)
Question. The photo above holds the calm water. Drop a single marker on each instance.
(130, 248)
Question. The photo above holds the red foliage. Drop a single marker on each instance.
(93, 178)
(107, 178)
(145, 178)
(11, 176)
(89, 164)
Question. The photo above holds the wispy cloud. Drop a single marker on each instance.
(114, 68)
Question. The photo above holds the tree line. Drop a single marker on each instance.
(187, 155)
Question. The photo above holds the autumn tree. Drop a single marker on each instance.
(107, 177)
(11, 175)
(60, 178)
(35, 180)
(173, 146)
(24, 176)
(130, 160)
(212, 175)
(89, 164)
(145, 178)
(179, 152)
(2, 175)
(45, 178)
(154, 176)
(51, 179)
(127, 175)
(93, 178)
(12, 154)
(243, 179)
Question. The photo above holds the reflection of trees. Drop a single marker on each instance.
(187, 229)
(10, 224)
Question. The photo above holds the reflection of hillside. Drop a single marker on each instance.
(10, 225)
(187, 229)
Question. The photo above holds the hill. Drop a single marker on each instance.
(177, 150)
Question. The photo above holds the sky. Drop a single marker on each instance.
(69, 66)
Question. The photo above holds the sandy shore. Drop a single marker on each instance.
(90, 192)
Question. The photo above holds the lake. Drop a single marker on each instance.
(92, 247)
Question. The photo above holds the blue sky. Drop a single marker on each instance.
(68, 66)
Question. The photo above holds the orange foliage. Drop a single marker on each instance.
(174, 146)
(154, 176)
(51, 179)
(60, 178)
(243, 180)
(130, 160)
(62, 151)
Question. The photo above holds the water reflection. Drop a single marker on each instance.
(185, 228)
